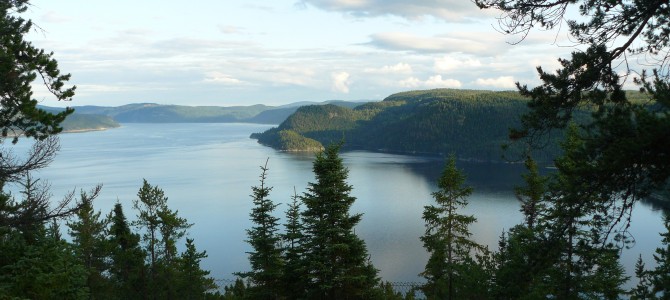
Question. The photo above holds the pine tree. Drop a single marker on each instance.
(163, 227)
(447, 238)
(642, 291)
(265, 259)
(337, 261)
(193, 282)
(127, 269)
(88, 237)
(661, 274)
(294, 278)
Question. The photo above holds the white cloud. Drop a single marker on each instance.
(435, 81)
(340, 82)
(449, 10)
(500, 82)
(400, 41)
(230, 29)
(399, 68)
(410, 82)
(449, 63)
(218, 77)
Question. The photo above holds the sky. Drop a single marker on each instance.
(246, 52)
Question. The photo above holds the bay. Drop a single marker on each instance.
(207, 171)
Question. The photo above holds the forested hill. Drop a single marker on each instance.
(159, 113)
(473, 124)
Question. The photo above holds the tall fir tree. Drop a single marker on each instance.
(641, 291)
(128, 271)
(337, 261)
(88, 232)
(294, 279)
(448, 239)
(193, 282)
(661, 274)
(265, 259)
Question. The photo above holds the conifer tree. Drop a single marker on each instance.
(163, 227)
(661, 274)
(89, 241)
(447, 238)
(265, 259)
(127, 269)
(294, 278)
(193, 282)
(642, 291)
(337, 261)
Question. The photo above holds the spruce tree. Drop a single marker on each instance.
(447, 238)
(661, 274)
(89, 240)
(163, 227)
(642, 291)
(293, 277)
(128, 272)
(193, 282)
(336, 260)
(265, 259)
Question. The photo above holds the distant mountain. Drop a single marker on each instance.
(158, 113)
(472, 124)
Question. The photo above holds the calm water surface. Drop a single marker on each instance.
(207, 171)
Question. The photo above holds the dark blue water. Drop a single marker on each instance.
(207, 171)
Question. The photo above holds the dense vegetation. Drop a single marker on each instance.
(81, 122)
(472, 124)
(568, 246)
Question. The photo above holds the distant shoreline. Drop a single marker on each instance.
(87, 130)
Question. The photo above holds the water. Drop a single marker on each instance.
(207, 171)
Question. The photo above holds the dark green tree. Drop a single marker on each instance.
(522, 255)
(293, 275)
(20, 64)
(193, 282)
(661, 274)
(642, 290)
(163, 228)
(337, 261)
(88, 232)
(625, 142)
(266, 261)
(43, 267)
(128, 272)
(448, 239)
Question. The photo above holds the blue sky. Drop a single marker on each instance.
(245, 52)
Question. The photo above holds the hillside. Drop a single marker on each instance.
(158, 113)
(85, 122)
(473, 124)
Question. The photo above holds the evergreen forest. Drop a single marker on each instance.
(609, 148)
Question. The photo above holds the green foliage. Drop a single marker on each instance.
(192, 282)
(660, 276)
(128, 273)
(294, 278)
(80, 122)
(20, 64)
(89, 242)
(163, 228)
(451, 269)
(265, 259)
(336, 259)
(42, 269)
(472, 124)
(643, 288)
